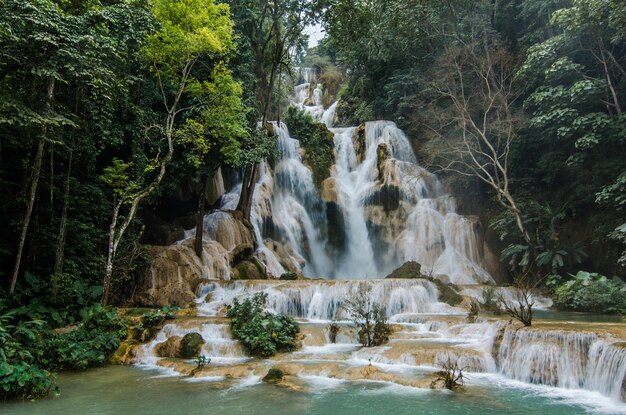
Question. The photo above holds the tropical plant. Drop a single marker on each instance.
(262, 333)
(591, 292)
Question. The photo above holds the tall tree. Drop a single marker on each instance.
(271, 31)
(192, 31)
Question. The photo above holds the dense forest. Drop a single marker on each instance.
(114, 115)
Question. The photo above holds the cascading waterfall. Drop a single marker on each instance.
(388, 209)
(572, 360)
(428, 334)
(323, 300)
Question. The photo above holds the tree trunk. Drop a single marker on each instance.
(197, 245)
(108, 270)
(247, 190)
(58, 262)
(33, 188)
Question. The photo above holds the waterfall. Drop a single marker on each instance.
(573, 360)
(324, 300)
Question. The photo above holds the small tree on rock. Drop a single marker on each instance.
(369, 317)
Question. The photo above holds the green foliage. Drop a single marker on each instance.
(89, 345)
(590, 292)
(21, 377)
(261, 332)
(315, 139)
(30, 352)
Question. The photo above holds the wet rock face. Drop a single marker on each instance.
(249, 270)
(176, 270)
(172, 277)
(169, 348)
(387, 196)
(190, 345)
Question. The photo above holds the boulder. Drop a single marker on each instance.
(172, 277)
(274, 375)
(190, 345)
(240, 253)
(409, 269)
(249, 270)
(169, 348)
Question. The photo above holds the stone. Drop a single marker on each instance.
(383, 153)
(409, 269)
(274, 375)
(169, 348)
(190, 345)
(242, 252)
(249, 270)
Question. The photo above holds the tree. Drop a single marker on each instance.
(520, 307)
(215, 138)
(477, 135)
(191, 30)
(369, 317)
(271, 32)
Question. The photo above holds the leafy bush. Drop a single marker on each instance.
(591, 292)
(90, 345)
(153, 318)
(20, 376)
(262, 333)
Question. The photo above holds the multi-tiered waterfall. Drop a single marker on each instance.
(378, 202)
(377, 209)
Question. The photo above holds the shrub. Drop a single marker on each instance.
(370, 318)
(261, 333)
(451, 375)
(20, 376)
(90, 345)
(591, 292)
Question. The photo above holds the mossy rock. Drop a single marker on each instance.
(447, 292)
(289, 276)
(408, 270)
(250, 270)
(274, 375)
(190, 345)
(124, 353)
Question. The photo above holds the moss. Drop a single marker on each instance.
(190, 345)
(409, 269)
(289, 276)
(274, 375)
(123, 353)
(316, 140)
(447, 294)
